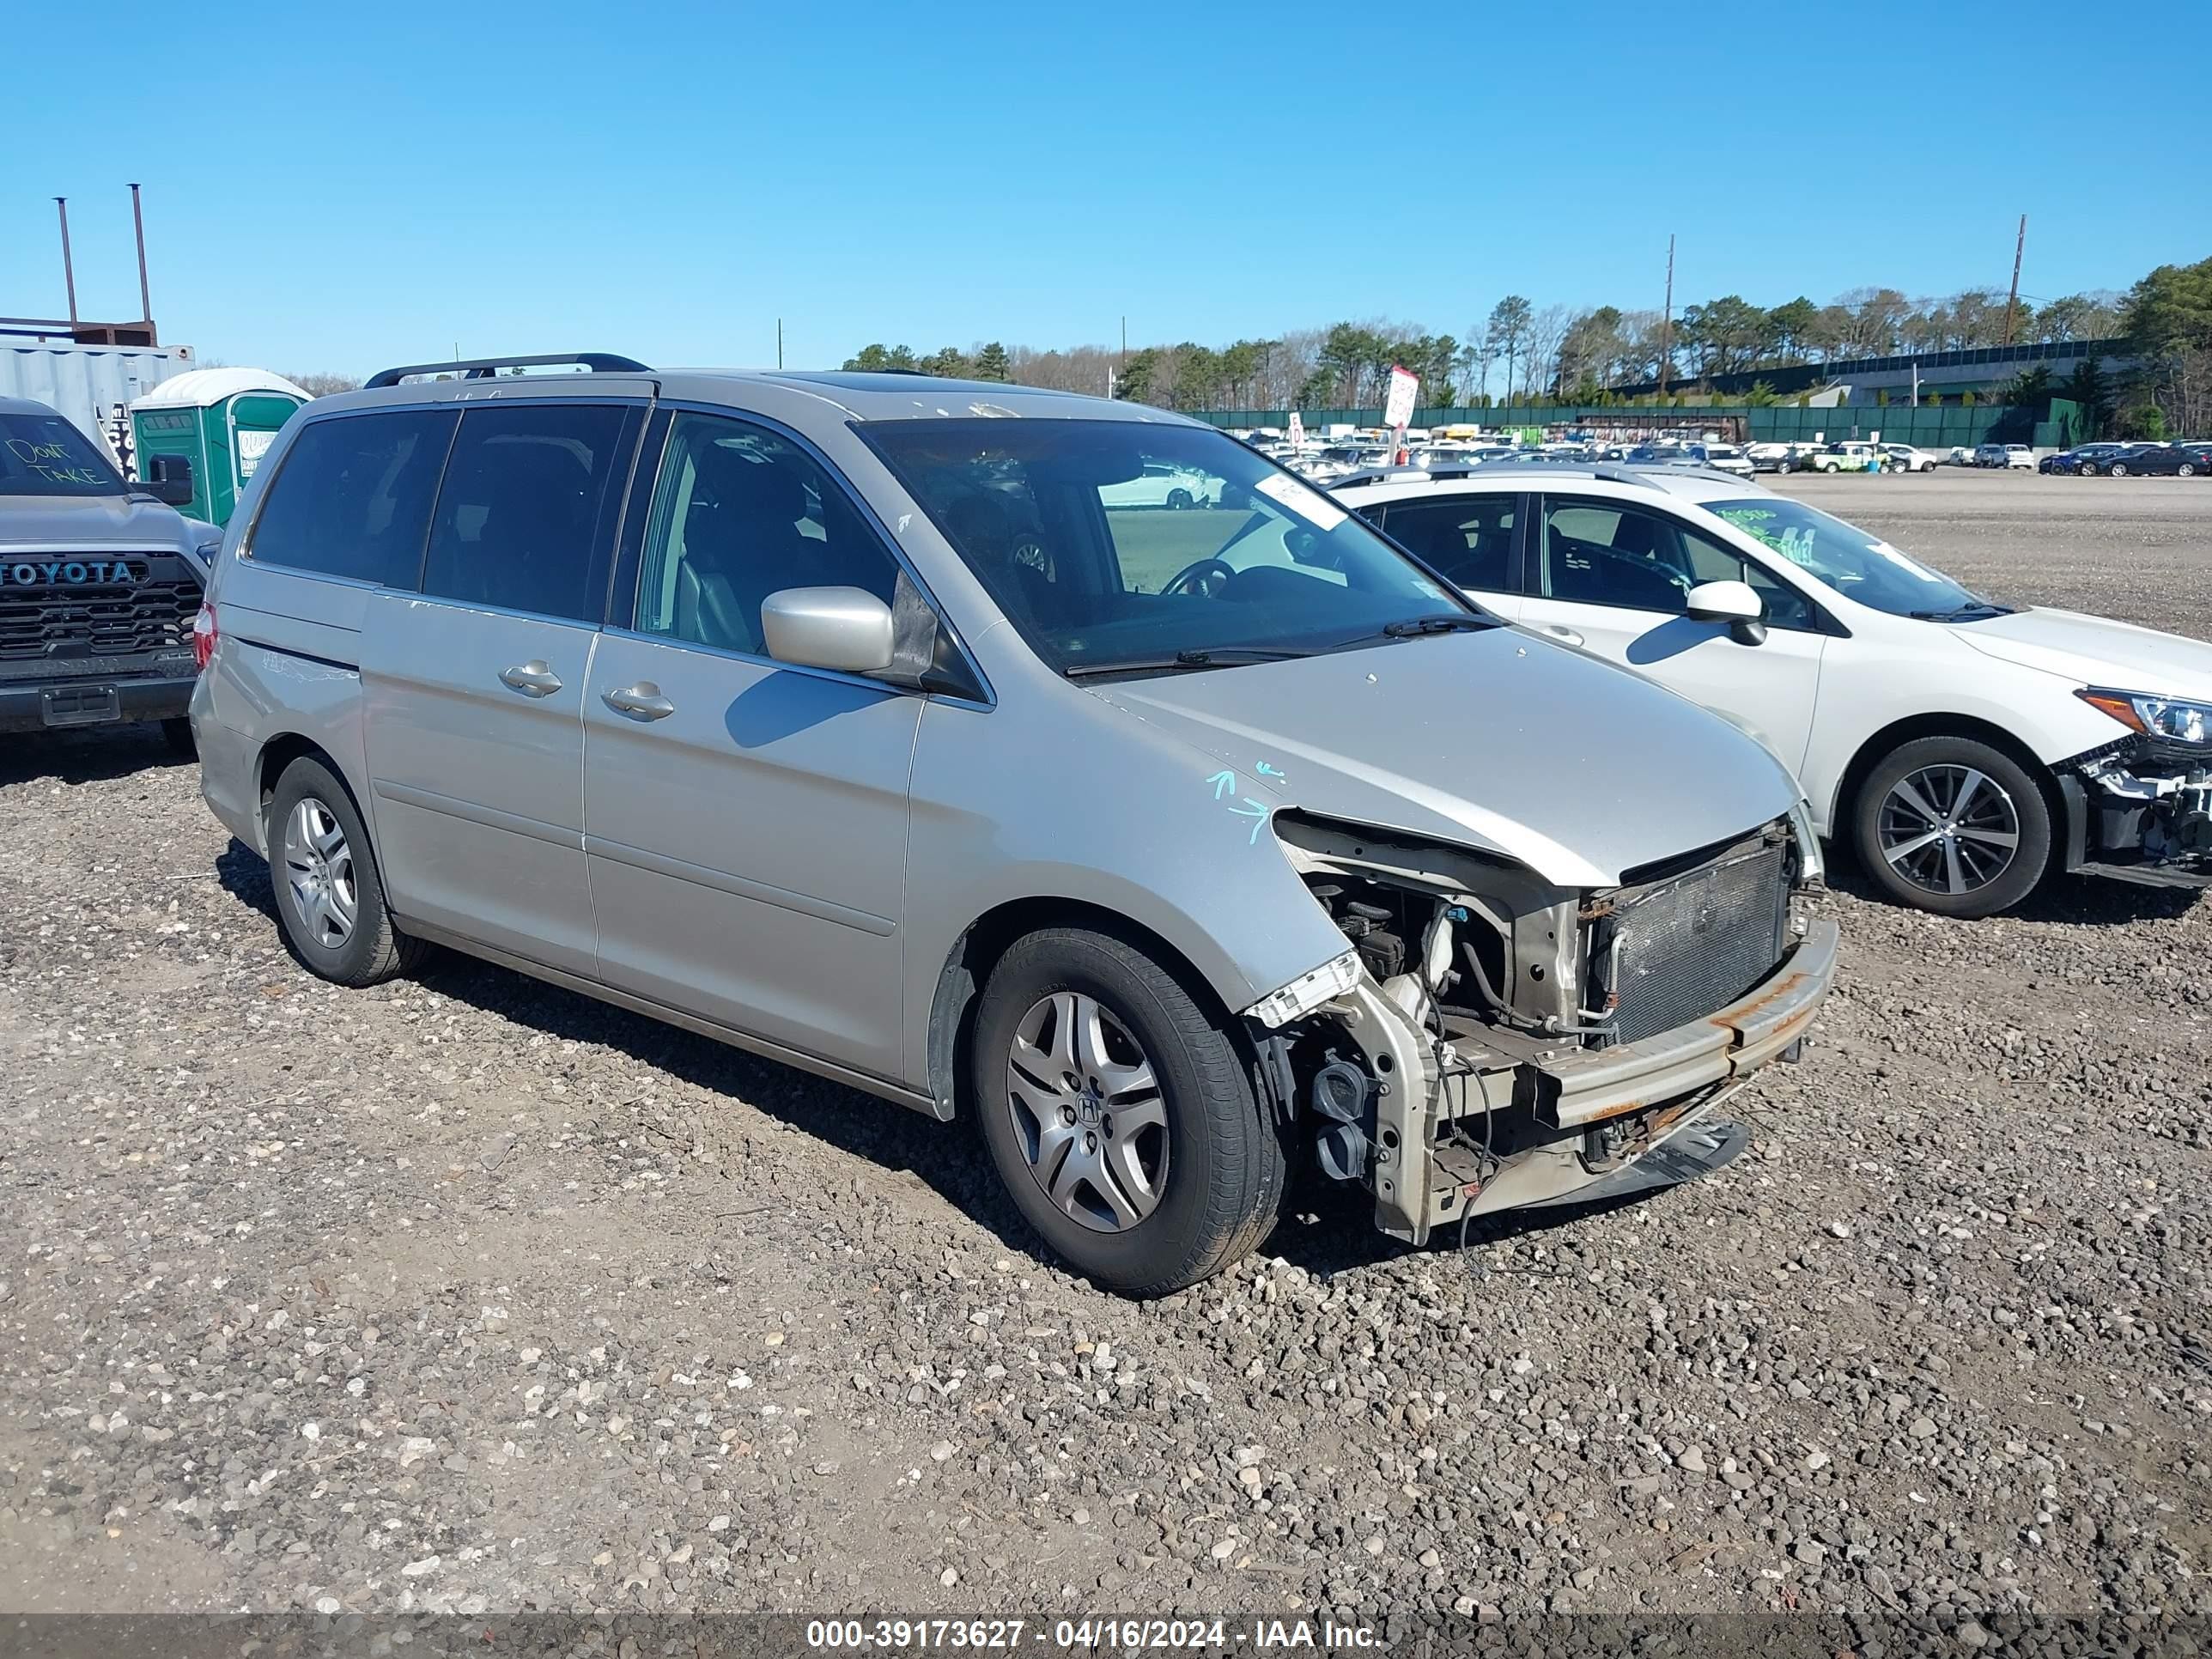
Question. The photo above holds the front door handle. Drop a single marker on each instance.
(1568, 634)
(640, 702)
(533, 678)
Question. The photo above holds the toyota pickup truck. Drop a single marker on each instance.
(100, 581)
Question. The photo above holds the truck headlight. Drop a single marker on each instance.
(2172, 718)
(1308, 991)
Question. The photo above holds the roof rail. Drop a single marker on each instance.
(483, 368)
(1609, 472)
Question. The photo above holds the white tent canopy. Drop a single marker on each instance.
(200, 388)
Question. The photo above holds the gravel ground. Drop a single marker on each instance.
(467, 1294)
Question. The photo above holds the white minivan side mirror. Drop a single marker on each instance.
(846, 628)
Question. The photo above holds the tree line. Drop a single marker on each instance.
(1521, 351)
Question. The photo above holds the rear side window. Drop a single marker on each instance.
(522, 521)
(1469, 538)
(353, 496)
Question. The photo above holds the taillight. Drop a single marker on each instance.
(203, 634)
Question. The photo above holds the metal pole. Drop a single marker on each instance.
(138, 225)
(2012, 300)
(69, 269)
(1666, 320)
(778, 342)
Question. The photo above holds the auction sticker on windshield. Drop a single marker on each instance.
(1311, 505)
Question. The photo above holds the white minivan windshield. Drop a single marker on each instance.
(1856, 562)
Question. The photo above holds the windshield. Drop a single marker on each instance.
(1123, 543)
(1857, 564)
(44, 454)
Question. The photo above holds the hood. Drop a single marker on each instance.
(2095, 651)
(1495, 740)
(134, 522)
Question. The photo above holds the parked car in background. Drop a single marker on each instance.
(1337, 459)
(2081, 459)
(1768, 455)
(2099, 463)
(753, 747)
(2155, 460)
(1160, 485)
(2018, 456)
(100, 581)
(1960, 748)
(1959, 455)
(1903, 458)
(1723, 457)
(1847, 456)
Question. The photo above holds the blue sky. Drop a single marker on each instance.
(337, 188)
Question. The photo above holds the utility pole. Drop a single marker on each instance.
(1666, 320)
(779, 344)
(69, 269)
(2012, 300)
(138, 227)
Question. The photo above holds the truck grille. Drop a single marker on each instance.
(105, 619)
(1683, 947)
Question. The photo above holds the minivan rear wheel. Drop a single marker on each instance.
(1121, 1115)
(1954, 826)
(330, 899)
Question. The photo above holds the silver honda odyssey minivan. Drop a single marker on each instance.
(910, 732)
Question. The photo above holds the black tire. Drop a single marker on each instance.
(1224, 1186)
(2116, 470)
(178, 734)
(374, 949)
(2185, 470)
(1179, 499)
(2031, 855)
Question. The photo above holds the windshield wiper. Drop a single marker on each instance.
(1447, 622)
(1223, 657)
(1414, 628)
(1975, 612)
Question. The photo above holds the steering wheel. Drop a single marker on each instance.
(1197, 576)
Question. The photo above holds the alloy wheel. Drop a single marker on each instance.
(1949, 829)
(1088, 1113)
(319, 869)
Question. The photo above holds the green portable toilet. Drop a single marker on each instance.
(222, 420)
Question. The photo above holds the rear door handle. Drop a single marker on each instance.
(640, 702)
(533, 678)
(1566, 634)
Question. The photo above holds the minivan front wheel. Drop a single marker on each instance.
(1120, 1114)
(1953, 826)
(330, 899)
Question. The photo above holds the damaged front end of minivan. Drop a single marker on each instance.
(1490, 1041)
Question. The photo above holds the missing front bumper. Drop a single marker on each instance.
(1592, 1085)
(1637, 1097)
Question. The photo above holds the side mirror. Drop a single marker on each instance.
(172, 480)
(1733, 603)
(845, 629)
